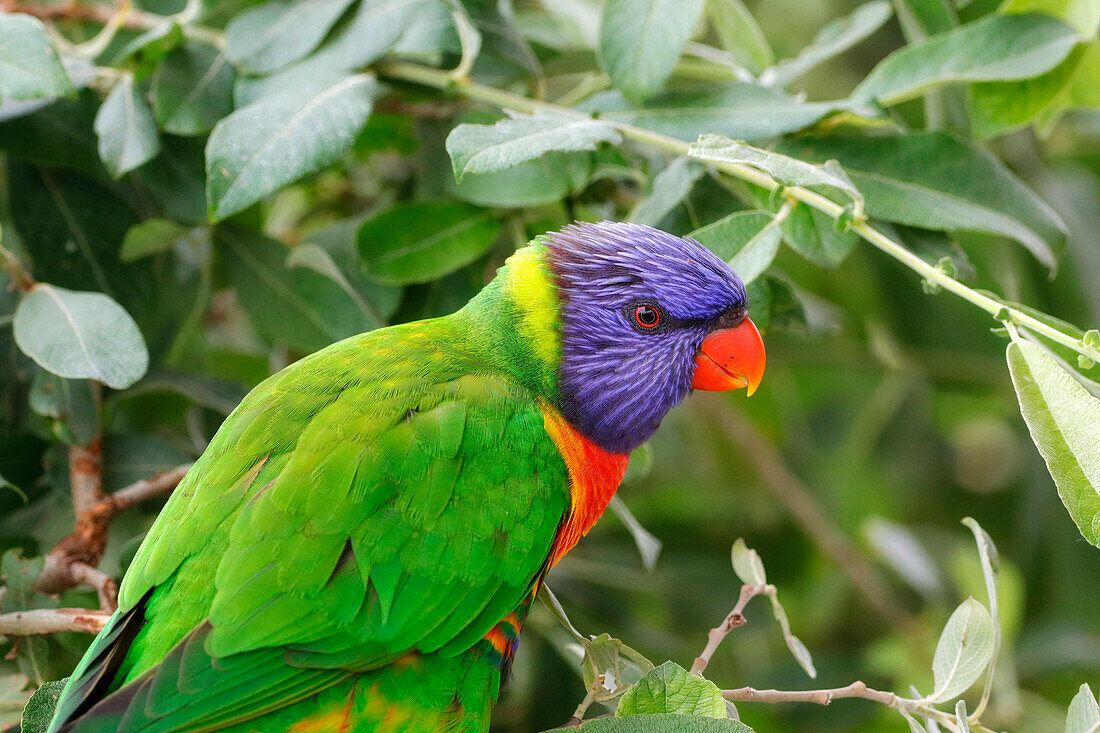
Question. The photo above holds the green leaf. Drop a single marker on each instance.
(29, 66)
(20, 575)
(961, 718)
(418, 241)
(740, 34)
(261, 148)
(998, 108)
(493, 148)
(317, 258)
(296, 307)
(80, 336)
(375, 28)
(649, 547)
(150, 47)
(1084, 713)
(747, 564)
(69, 403)
(737, 110)
(783, 169)
(1081, 15)
(176, 179)
(542, 181)
(921, 18)
(936, 181)
(1062, 418)
(610, 667)
(832, 40)
(963, 651)
(670, 187)
(747, 240)
(40, 708)
(1001, 107)
(641, 41)
(272, 35)
(995, 48)
(662, 723)
(150, 237)
(340, 240)
(191, 89)
(59, 135)
(127, 134)
(670, 689)
(72, 228)
(13, 697)
(217, 394)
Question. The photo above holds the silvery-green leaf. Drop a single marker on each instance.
(964, 649)
(835, 38)
(670, 186)
(782, 168)
(511, 141)
(267, 145)
(1084, 713)
(995, 48)
(747, 240)
(80, 336)
(641, 41)
(126, 130)
(29, 66)
(1064, 421)
(747, 564)
(271, 35)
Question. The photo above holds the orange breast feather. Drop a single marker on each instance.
(594, 475)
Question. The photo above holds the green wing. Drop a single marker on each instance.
(381, 496)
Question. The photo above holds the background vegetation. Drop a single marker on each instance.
(193, 196)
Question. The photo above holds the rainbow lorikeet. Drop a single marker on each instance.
(357, 548)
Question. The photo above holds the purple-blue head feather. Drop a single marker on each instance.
(619, 379)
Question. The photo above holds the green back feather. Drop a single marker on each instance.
(394, 492)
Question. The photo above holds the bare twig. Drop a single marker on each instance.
(52, 621)
(734, 619)
(806, 510)
(73, 561)
(15, 270)
(817, 697)
(856, 690)
(139, 491)
(578, 714)
(105, 586)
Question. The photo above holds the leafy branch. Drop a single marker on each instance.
(960, 655)
(843, 215)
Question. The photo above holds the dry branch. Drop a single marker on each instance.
(52, 621)
(734, 619)
(73, 561)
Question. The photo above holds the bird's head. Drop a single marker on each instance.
(641, 317)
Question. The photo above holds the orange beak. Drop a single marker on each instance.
(730, 358)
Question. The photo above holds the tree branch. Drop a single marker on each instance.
(731, 622)
(73, 561)
(444, 81)
(857, 690)
(52, 621)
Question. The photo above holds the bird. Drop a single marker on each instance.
(358, 546)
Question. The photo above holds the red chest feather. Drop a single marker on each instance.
(594, 475)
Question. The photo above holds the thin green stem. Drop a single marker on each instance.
(506, 100)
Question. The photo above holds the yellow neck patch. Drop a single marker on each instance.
(531, 290)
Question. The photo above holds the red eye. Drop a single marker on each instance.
(647, 316)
